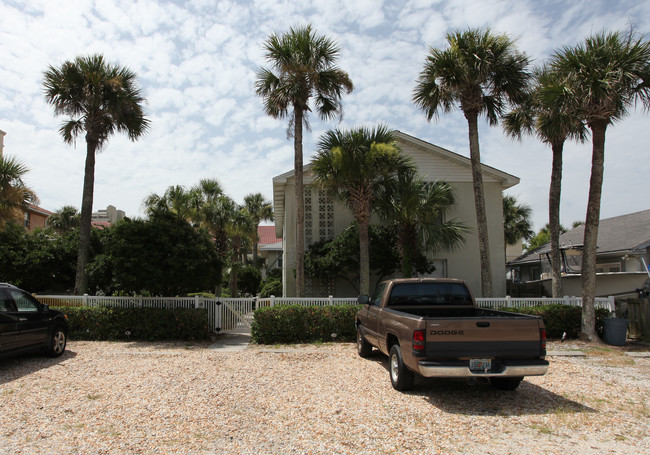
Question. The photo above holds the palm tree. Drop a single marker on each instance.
(100, 99)
(239, 229)
(259, 209)
(551, 119)
(604, 77)
(516, 221)
(176, 200)
(418, 209)
(302, 68)
(480, 72)
(353, 165)
(15, 196)
(205, 205)
(215, 211)
(65, 219)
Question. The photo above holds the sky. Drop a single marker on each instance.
(197, 61)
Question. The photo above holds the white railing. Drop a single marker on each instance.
(522, 302)
(236, 315)
(306, 301)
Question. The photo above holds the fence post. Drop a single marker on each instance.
(612, 303)
(272, 302)
(85, 300)
(331, 300)
(197, 304)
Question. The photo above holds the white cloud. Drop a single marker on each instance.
(196, 63)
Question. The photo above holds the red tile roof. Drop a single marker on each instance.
(267, 235)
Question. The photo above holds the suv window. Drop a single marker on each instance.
(24, 302)
(5, 305)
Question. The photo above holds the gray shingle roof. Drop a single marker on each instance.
(620, 233)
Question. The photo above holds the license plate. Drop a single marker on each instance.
(480, 364)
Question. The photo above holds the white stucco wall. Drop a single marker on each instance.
(434, 164)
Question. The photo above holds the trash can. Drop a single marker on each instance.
(616, 331)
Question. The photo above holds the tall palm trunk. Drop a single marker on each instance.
(588, 327)
(300, 203)
(81, 278)
(479, 202)
(554, 217)
(362, 207)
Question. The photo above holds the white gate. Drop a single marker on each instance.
(231, 315)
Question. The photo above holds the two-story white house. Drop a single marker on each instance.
(325, 218)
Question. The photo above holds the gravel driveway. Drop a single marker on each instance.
(168, 398)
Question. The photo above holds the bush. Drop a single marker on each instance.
(563, 318)
(303, 324)
(272, 287)
(150, 324)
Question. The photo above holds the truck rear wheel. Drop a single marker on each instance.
(363, 347)
(506, 383)
(400, 377)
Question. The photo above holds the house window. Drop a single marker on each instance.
(28, 219)
(612, 267)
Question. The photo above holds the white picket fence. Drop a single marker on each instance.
(228, 315)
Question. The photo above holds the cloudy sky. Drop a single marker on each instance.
(196, 62)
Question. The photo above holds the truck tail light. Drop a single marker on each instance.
(542, 337)
(418, 340)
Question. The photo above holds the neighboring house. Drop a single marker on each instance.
(325, 218)
(107, 217)
(270, 248)
(621, 260)
(35, 217)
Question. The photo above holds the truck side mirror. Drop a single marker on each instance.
(363, 299)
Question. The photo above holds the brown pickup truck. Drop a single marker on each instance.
(432, 327)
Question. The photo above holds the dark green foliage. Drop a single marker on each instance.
(249, 279)
(163, 256)
(273, 286)
(562, 318)
(150, 324)
(40, 261)
(304, 324)
(339, 257)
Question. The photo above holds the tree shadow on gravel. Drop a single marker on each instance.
(23, 365)
(477, 397)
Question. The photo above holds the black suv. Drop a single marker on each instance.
(28, 325)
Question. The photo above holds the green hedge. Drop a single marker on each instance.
(303, 324)
(150, 324)
(563, 318)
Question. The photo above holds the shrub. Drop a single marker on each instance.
(272, 287)
(303, 324)
(151, 324)
(563, 318)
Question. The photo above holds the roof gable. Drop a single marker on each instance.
(434, 164)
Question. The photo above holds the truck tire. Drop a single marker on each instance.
(506, 383)
(363, 347)
(400, 377)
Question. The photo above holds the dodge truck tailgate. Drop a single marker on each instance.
(484, 337)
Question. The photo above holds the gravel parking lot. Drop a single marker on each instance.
(168, 398)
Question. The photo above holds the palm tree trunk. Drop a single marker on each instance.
(300, 203)
(479, 202)
(81, 278)
(588, 327)
(554, 217)
(364, 256)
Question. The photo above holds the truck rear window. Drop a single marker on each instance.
(429, 294)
